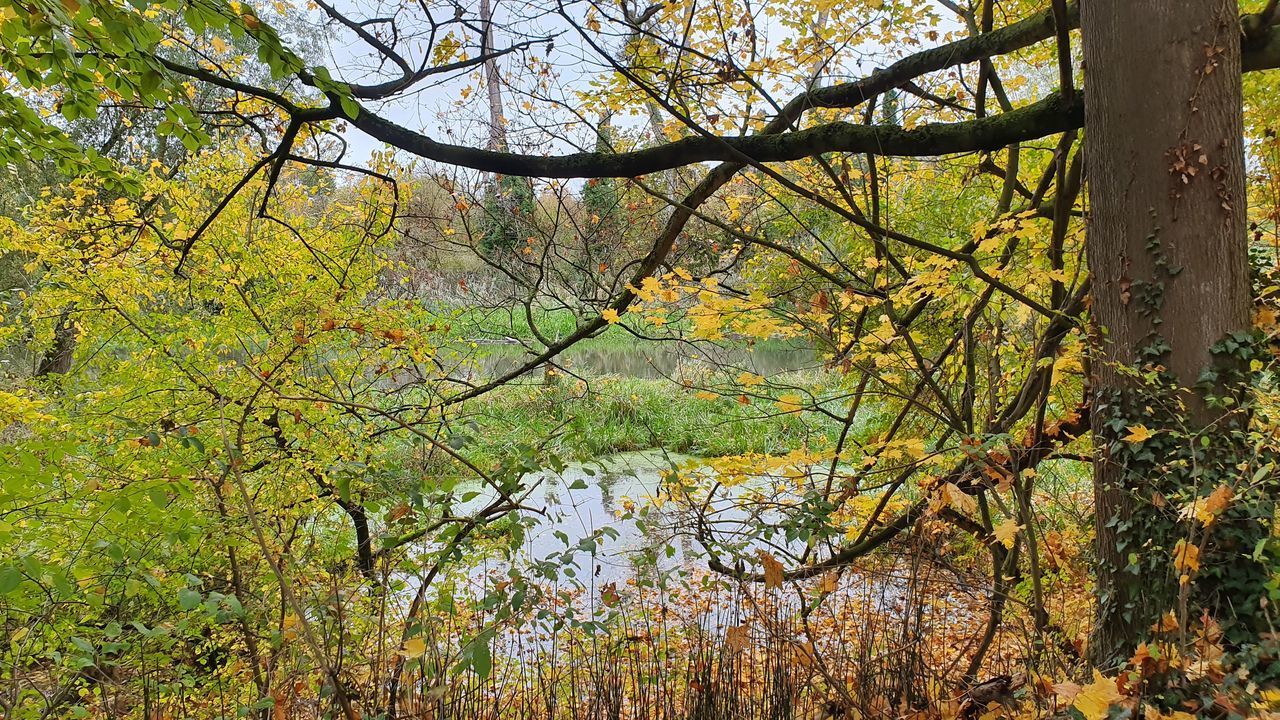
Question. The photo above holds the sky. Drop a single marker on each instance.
(433, 107)
(438, 109)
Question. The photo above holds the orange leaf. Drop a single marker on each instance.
(772, 569)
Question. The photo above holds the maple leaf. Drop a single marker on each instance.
(1006, 531)
(1265, 318)
(1166, 624)
(1186, 559)
(1138, 434)
(610, 316)
(789, 403)
(1207, 509)
(737, 637)
(1095, 699)
(772, 569)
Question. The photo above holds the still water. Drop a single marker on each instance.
(576, 504)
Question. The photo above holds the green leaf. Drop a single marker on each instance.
(10, 579)
(350, 107)
(189, 599)
(478, 656)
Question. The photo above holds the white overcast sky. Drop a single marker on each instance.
(433, 107)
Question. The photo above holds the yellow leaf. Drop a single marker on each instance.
(747, 379)
(1206, 510)
(290, 627)
(21, 406)
(706, 395)
(1006, 531)
(414, 648)
(1186, 558)
(1153, 713)
(789, 403)
(1166, 624)
(1095, 699)
(610, 316)
(1138, 434)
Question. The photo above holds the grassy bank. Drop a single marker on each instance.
(501, 324)
(613, 414)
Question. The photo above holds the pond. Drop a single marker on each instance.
(576, 504)
(579, 502)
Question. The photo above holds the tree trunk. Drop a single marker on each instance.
(492, 81)
(57, 359)
(1167, 253)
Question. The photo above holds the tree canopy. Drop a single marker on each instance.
(946, 329)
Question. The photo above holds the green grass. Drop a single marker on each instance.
(477, 323)
(498, 325)
(614, 415)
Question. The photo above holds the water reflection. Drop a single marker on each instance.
(582, 500)
(576, 504)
